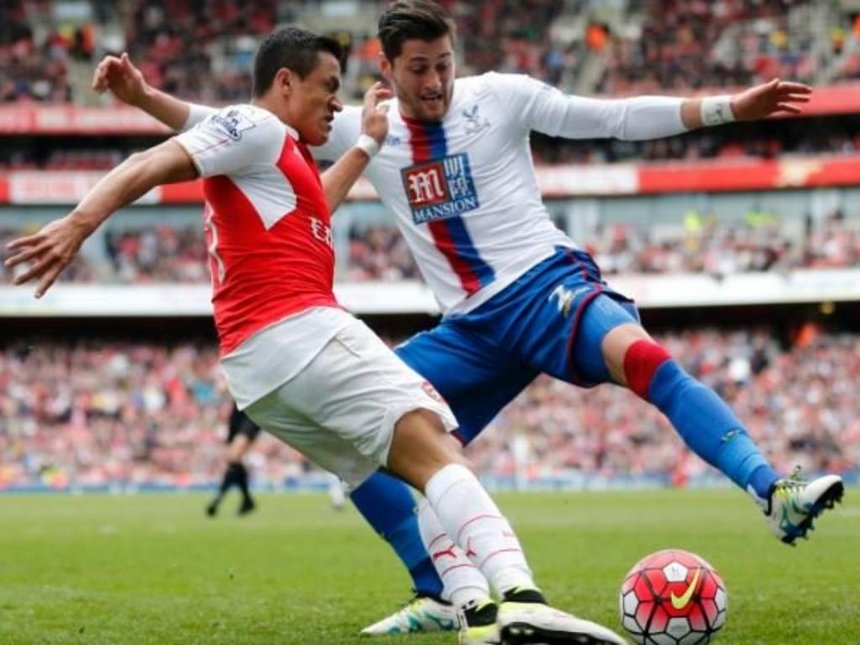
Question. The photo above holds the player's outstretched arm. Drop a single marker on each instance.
(124, 80)
(51, 249)
(339, 178)
(757, 102)
(536, 106)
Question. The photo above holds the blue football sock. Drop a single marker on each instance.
(710, 428)
(388, 506)
(762, 480)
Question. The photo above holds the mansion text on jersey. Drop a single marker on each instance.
(440, 189)
(441, 211)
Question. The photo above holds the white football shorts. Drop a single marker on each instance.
(341, 409)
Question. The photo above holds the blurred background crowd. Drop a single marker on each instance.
(696, 243)
(103, 413)
(129, 413)
(202, 49)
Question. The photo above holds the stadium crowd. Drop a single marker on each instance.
(33, 66)
(157, 254)
(132, 414)
(796, 403)
(730, 43)
(129, 414)
(202, 50)
(700, 243)
(379, 253)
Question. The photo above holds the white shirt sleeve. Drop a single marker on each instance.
(345, 130)
(233, 140)
(541, 107)
(196, 114)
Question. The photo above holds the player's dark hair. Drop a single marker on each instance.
(293, 48)
(409, 19)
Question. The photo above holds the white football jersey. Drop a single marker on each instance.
(464, 191)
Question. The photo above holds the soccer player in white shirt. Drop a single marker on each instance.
(520, 297)
(299, 365)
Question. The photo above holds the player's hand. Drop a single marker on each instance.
(48, 251)
(374, 112)
(121, 77)
(770, 98)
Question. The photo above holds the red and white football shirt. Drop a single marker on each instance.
(269, 239)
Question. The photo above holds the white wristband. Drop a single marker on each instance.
(717, 110)
(367, 144)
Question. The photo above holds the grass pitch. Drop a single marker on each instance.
(154, 569)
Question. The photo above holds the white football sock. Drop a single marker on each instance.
(475, 524)
(462, 580)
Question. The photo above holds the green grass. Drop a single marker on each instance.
(153, 569)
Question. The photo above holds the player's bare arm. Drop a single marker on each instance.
(52, 248)
(757, 102)
(122, 78)
(340, 177)
(125, 81)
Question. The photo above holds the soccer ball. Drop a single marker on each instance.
(673, 597)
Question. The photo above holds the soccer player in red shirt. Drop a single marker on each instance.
(301, 367)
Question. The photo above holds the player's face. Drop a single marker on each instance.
(423, 77)
(314, 101)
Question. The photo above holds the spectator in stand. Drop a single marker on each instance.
(200, 50)
(157, 254)
(379, 253)
(31, 70)
(175, 40)
(171, 253)
(712, 44)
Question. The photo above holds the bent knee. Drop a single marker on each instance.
(642, 359)
(615, 346)
(421, 446)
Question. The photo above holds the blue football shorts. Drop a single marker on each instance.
(551, 320)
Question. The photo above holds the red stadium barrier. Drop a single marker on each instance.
(74, 119)
(749, 174)
(834, 99)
